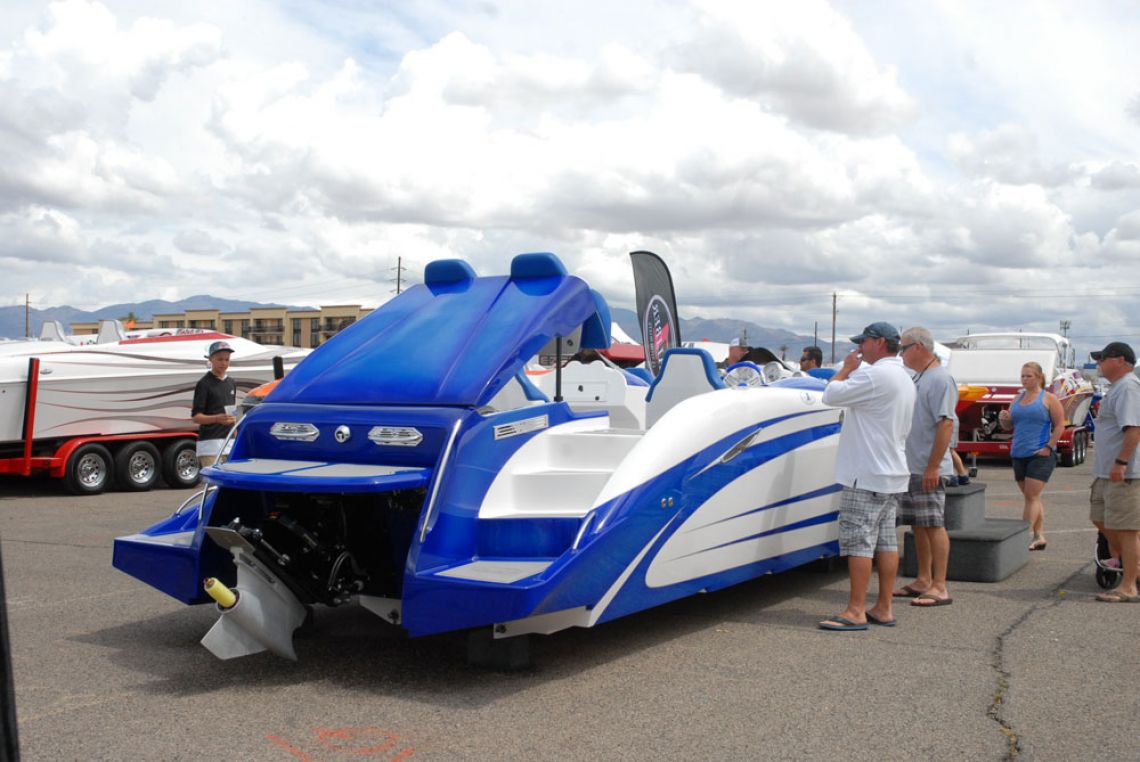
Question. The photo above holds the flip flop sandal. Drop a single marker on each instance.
(841, 624)
(906, 591)
(881, 622)
(1115, 596)
(935, 601)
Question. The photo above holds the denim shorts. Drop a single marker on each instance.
(1039, 467)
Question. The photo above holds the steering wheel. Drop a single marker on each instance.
(774, 371)
(743, 375)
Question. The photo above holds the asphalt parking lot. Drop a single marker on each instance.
(1029, 668)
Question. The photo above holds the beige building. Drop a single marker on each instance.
(265, 325)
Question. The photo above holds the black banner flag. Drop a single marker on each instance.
(656, 307)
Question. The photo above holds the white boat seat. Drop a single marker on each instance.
(684, 373)
(597, 386)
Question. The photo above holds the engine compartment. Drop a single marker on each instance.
(327, 547)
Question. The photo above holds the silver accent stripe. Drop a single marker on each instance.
(514, 428)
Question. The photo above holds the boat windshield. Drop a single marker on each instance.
(1009, 341)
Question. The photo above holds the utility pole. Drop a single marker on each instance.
(27, 315)
(399, 268)
(834, 312)
(815, 335)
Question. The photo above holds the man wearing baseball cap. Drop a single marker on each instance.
(1114, 500)
(215, 396)
(878, 396)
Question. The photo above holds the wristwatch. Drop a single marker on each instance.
(1120, 462)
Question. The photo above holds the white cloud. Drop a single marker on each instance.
(1117, 175)
(772, 153)
(39, 233)
(802, 59)
(1128, 227)
(1008, 154)
(1015, 227)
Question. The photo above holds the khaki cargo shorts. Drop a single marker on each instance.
(1116, 505)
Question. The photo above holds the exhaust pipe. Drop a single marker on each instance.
(259, 614)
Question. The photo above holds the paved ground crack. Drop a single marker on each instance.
(997, 707)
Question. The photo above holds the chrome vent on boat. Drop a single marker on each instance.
(396, 436)
(296, 432)
(514, 428)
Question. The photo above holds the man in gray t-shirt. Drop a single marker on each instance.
(923, 505)
(1114, 500)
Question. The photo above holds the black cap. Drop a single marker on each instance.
(1116, 349)
(879, 330)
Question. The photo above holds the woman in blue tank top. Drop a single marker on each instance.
(1038, 421)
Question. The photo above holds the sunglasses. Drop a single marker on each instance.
(904, 347)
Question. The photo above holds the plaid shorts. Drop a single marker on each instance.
(919, 508)
(866, 523)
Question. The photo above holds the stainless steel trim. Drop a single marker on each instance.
(439, 477)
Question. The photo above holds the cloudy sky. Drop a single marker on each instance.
(964, 165)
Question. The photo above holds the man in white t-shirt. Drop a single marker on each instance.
(878, 395)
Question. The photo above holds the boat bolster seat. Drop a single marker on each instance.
(684, 373)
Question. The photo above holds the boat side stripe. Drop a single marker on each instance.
(822, 518)
(829, 489)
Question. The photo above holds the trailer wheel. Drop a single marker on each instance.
(180, 464)
(136, 466)
(88, 470)
(1068, 458)
(1084, 435)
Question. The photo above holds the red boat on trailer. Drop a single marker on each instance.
(994, 361)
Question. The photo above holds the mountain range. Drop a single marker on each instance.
(12, 319)
(778, 340)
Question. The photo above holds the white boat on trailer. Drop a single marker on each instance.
(118, 410)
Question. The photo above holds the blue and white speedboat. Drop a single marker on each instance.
(410, 466)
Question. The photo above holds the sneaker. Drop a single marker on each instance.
(973, 472)
(963, 480)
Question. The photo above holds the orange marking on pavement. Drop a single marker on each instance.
(346, 740)
(288, 747)
(329, 737)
